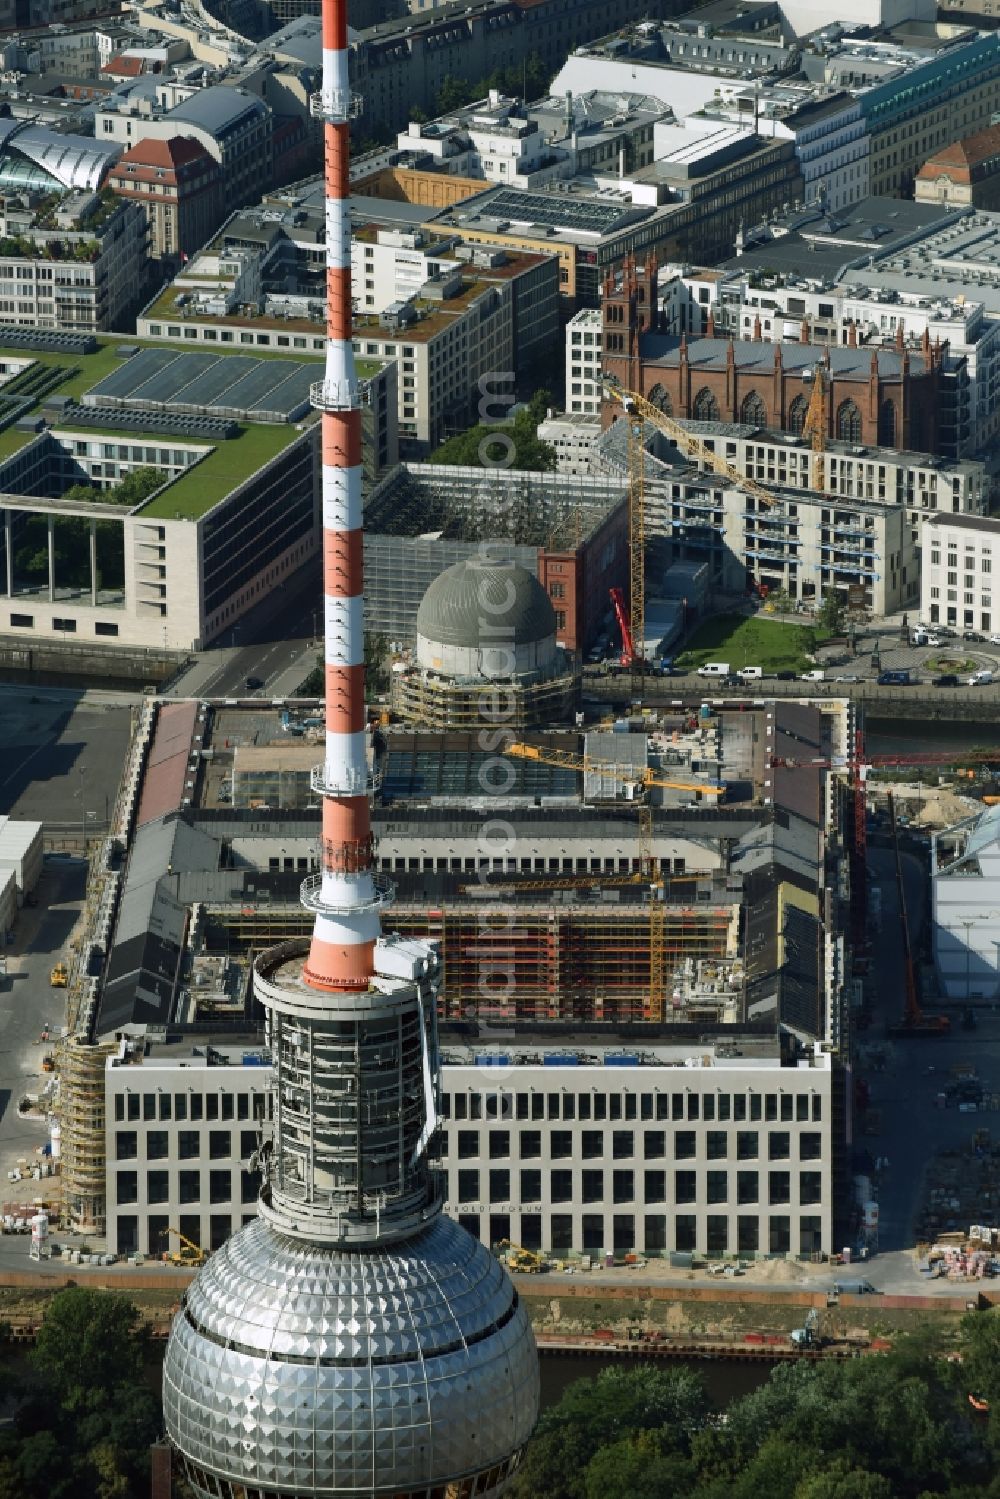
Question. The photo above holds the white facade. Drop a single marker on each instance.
(665, 1151)
(584, 346)
(393, 265)
(965, 907)
(864, 531)
(574, 437)
(179, 1137)
(21, 852)
(958, 586)
(577, 1154)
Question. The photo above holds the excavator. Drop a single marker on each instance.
(189, 1253)
(523, 1261)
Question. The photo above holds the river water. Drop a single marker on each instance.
(725, 1379)
(885, 736)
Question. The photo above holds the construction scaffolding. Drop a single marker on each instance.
(579, 962)
(435, 702)
(424, 518)
(80, 1111)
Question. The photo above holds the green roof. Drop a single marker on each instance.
(229, 461)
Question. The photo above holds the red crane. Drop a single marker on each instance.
(621, 614)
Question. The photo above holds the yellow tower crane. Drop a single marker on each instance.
(648, 872)
(638, 410)
(544, 754)
(814, 427)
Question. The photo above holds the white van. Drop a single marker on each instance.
(816, 675)
(981, 679)
(750, 673)
(714, 669)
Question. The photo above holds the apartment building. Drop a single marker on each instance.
(77, 266)
(861, 537)
(956, 572)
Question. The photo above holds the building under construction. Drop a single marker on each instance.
(571, 533)
(565, 900)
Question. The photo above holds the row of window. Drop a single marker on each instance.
(741, 1187)
(620, 1144)
(188, 1144)
(788, 1107)
(187, 1186)
(189, 1105)
(710, 1233)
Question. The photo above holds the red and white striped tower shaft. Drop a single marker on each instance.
(346, 901)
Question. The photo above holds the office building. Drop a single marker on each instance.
(179, 187)
(957, 553)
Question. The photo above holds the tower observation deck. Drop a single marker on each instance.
(352, 1340)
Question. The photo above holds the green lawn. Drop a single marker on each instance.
(756, 641)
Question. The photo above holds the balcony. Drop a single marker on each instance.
(311, 891)
(335, 106)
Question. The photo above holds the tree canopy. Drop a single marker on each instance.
(897, 1426)
(86, 1413)
(513, 444)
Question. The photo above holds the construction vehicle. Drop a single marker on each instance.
(805, 1336)
(914, 1022)
(59, 977)
(523, 1261)
(628, 644)
(48, 1062)
(189, 1253)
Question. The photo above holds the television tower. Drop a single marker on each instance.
(352, 1340)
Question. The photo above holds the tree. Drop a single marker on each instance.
(831, 613)
(88, 1344)
(513, 444)
(596, 1414)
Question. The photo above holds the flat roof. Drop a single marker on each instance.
(227, 462)
(985, 523)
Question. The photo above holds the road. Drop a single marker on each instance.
(272, 643)
(905, 1076)
(27, 1002)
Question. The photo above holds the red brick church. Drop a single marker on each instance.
(885, 397)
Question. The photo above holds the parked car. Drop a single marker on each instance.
(784, 676)
(947, 679)
(934, 640)
(973, 635)
(848, 678)
(981, 679)
(944, 630)
(995, 640)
